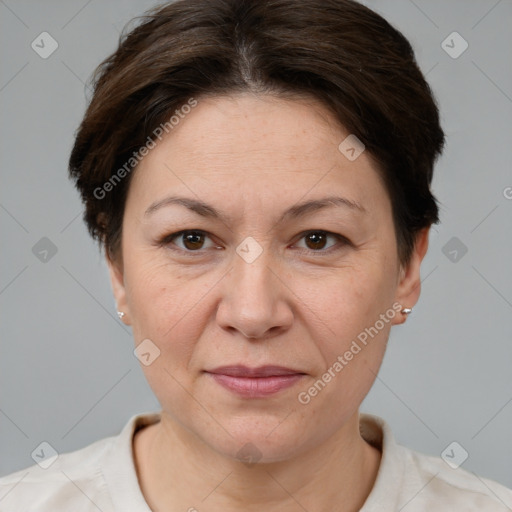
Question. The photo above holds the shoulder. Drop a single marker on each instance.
(415, 482)
(66, 481)
(454, 488)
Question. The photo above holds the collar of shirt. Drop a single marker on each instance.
(102, 476)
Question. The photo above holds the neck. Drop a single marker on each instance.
(177, 471)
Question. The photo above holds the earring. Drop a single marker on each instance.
(120, 314)
(406, 311)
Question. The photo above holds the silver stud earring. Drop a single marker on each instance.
(406, 311)
(120, 314)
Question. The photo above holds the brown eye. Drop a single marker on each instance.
(315, 241)
(191, 240)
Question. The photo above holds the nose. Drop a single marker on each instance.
(255, 299)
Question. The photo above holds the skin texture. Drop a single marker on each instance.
(299, 304)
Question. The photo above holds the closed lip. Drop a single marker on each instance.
(248, 372)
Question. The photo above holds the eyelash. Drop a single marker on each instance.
(166, 241)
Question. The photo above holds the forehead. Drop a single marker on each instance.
(246, 124)
(255, 147)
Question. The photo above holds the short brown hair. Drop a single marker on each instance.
(337, 51)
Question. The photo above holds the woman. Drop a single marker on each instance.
(259, 175)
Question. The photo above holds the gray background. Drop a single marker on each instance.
(67, 371)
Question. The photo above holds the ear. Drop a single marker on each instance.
(409, 285)
(115, 269)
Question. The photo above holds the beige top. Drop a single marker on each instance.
(102, 477)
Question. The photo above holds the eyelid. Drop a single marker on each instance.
(340, 238)
(166, 241)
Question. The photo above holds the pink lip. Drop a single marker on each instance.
(255, 382)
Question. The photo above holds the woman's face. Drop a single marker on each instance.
(260, 280)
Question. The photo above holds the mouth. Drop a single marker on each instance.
(255, 382)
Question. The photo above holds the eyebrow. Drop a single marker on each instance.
(298, 210)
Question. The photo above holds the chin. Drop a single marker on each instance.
(258, 438)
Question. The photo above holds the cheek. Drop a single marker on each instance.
(161, 300)
(166, 309)
(354, 310)
(350, 299)
(352, 349)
